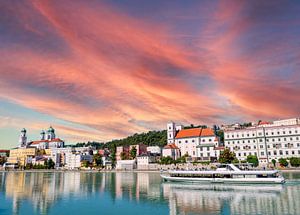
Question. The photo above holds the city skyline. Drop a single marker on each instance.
(101, 70)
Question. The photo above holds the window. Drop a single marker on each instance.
(170, 135)
(286, 152)
(267, 133)
(254, 147)
(268, 146)
(272, 133)
(243, 141)
(247, 135)
(193, 141)
(208, 154)
(186, 141)
(261, 146)
(255, 153)
(291, 138)
(280, 152)
(283, 132)
(284, 139)
(278, 132)
(278, 139)
(290, 132)
(293, 152)
(274, 152)
(207, 148)
(239, 154)
(244, 153)
(248, 141)
(260, 140)
(273, 140)
(193, 152)
(209, 140)
(170, 128)
(232, 135)
(179, 141)
(259, 133)
(262, 153)
(269, 153)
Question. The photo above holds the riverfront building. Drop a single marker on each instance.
(266, 140)
(198, 143)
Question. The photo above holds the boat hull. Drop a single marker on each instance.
(278, 180)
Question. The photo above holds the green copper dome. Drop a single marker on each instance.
(51, 129)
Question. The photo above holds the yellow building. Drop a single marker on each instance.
(21, 155)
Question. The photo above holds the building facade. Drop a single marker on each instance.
(266, 140)
(198, 143)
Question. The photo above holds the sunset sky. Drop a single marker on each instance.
(100, 70)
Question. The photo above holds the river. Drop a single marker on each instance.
(139, 193)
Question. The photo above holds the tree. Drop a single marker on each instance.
(166, 160)
(85, 163)
(274, 162)
(123, 156)
(97, 158)
(50, 164)
(227, 156)
(253, 159)
(295, 162)
(133, 152)
(283, 162)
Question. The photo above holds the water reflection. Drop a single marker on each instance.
(44, 191)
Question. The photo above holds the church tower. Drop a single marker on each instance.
(51, 133)
(171, 132)
(42, 135)
(23, 138)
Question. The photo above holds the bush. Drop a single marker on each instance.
(166, 160)
(283, 162)
(295, 162)
(253, 159)
(274, 162)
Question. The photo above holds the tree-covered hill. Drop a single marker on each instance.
(151, 138)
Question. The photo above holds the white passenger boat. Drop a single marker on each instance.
(226, 173)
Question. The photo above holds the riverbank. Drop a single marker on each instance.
(111, 171)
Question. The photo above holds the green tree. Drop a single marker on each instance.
(133, 152)
(85, 163)
(97, 158)
(283, 162)
(274, 162)
(295, 162)
(253, 159)
(50, 164)
(166, 160)
(227, 156)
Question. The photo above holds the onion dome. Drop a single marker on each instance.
(42, 132)
(51, 129)
(23, 130)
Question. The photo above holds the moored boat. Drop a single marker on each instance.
(226, 173)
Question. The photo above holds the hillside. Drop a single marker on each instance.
(151, 138)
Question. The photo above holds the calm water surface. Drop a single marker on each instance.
(139, 193)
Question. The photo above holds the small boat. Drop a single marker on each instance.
(225, 173)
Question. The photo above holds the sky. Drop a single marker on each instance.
(102, 70)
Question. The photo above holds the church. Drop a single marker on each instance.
(47, 140)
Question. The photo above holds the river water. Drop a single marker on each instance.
(139, 193)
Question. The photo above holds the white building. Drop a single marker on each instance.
(155, 150)
(126, 165)
(171, 150)
(198, 143)
(47, 140)
(73, 161)
(267, 140)
(143, 161)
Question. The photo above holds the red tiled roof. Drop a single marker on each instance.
(264, 123)
(45, 141)
(4, 150)
(192, 132)
(171, 146)
(195, 132)
(207, 132)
